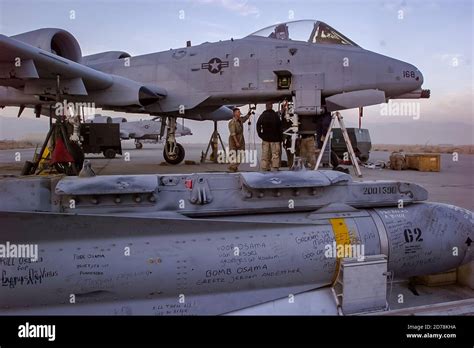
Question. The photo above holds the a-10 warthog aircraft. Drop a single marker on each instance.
(306, 61)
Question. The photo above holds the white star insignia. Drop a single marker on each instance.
(214, 65)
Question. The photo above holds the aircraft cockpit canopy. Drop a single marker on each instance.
(315, 32)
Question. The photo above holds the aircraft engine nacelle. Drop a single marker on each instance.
(56, 41)
(126, 92)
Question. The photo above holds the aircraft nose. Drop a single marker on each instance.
(418, 76)
(412, 76)
(404, 80)
(396, 77)
(421, 78)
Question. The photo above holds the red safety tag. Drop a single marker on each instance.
(188, 183)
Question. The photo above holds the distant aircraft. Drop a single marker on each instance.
(307, 61)
(148, 130)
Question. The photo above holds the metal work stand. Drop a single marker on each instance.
(355, 164)
(57, 127)
(214, 144)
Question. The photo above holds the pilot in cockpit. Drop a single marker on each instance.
(280, 32)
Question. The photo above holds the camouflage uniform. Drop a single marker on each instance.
(271, 154)
(290, 157)
(308, 151)
(236, 128)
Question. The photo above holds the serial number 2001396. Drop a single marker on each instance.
(376, 190)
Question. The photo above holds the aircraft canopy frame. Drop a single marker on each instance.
(314, 32)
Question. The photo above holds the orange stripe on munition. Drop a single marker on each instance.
(341, 235)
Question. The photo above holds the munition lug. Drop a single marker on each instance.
(201, 192)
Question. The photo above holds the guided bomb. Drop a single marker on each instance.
(211, 243)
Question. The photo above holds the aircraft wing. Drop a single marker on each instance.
(30, 65)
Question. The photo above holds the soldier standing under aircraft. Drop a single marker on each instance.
(322, 126)
(308, 150)
(236, 137)
(269, 129)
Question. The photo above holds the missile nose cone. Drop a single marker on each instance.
(147, 96)
(451, 231)
(430, 238)
(463, 231)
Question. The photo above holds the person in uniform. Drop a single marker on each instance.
(322, 126)
(269, 129)
(236, 137)
(308, 150)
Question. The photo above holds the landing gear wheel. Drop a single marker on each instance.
(67, 168)
(138, 146)
(177, 158)
(109, 153)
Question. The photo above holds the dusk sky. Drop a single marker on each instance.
(435, 36)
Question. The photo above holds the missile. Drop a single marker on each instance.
(211, 243)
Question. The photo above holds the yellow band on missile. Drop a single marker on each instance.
(341, 235)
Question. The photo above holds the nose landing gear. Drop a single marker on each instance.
(173, 152)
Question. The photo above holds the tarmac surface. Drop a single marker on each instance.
(454, 184)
